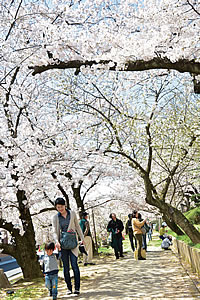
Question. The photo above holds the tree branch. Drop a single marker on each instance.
(92, 185)
(53, 174)
(132, 162)
(8, 249)
(193, 8)
(173, 171)
(43, 210)
(182, 65)
(6, 104)
(13, 23)
(9, 227)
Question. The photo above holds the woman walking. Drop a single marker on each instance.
(64, 221)
(138, 233)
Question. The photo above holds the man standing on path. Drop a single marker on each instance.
(115, 226)
(85, 226)
(129, 231)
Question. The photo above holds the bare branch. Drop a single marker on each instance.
(43, 210)
(173, 171)
(92, 185)
(13, 23)
(193, 8)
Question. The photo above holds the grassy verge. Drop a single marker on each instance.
(23, 289)
(156, 242)
(109, 250)
(184, 238)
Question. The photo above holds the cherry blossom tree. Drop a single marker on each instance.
(152, 126)
(87, 36)
(34, 144)
(115, 35)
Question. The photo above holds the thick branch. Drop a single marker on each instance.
(8, 249)
(6, 104)
(182, 65)
(61, 189)
(9, 227)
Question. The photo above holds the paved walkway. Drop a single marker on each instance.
(161, 276)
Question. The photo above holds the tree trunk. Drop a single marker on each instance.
(26, 256)
(23, 246)
(23, 250)
(26, 251)
(77, 197)
(171, 213)
(172, 225)
(176, 216)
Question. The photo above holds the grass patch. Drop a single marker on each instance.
(109, 250)
(155, 243)
(185, 238)
(193, 215)
(105, 250)
(26, 289)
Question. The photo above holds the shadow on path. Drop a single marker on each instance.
(161, 276)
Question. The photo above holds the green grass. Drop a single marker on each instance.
(193, 215)
(184, 238)
(23, 289)
(109, 250)
(105, 250)
(155, 242)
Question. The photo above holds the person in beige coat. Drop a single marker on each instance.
(66, 220)
(138, 233)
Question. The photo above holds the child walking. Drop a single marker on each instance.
(50, 270)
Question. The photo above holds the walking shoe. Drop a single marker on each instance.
(91, 264)
(76, 293)
(85, 264)
(141, 258)
(69, 292)
(122, 255)
(117, 257)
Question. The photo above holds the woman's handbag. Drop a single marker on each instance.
(109, 241)
(68, 240)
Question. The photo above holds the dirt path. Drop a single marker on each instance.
(161, 276)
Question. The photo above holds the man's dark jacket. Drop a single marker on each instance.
(113, 226)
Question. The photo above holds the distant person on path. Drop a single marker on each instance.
(85, 227)
(115, 226)
(166, 243)
(66, 220)
(50, 270)
(149, 234)
(162, 231)
(138, 233)
(129, 231)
